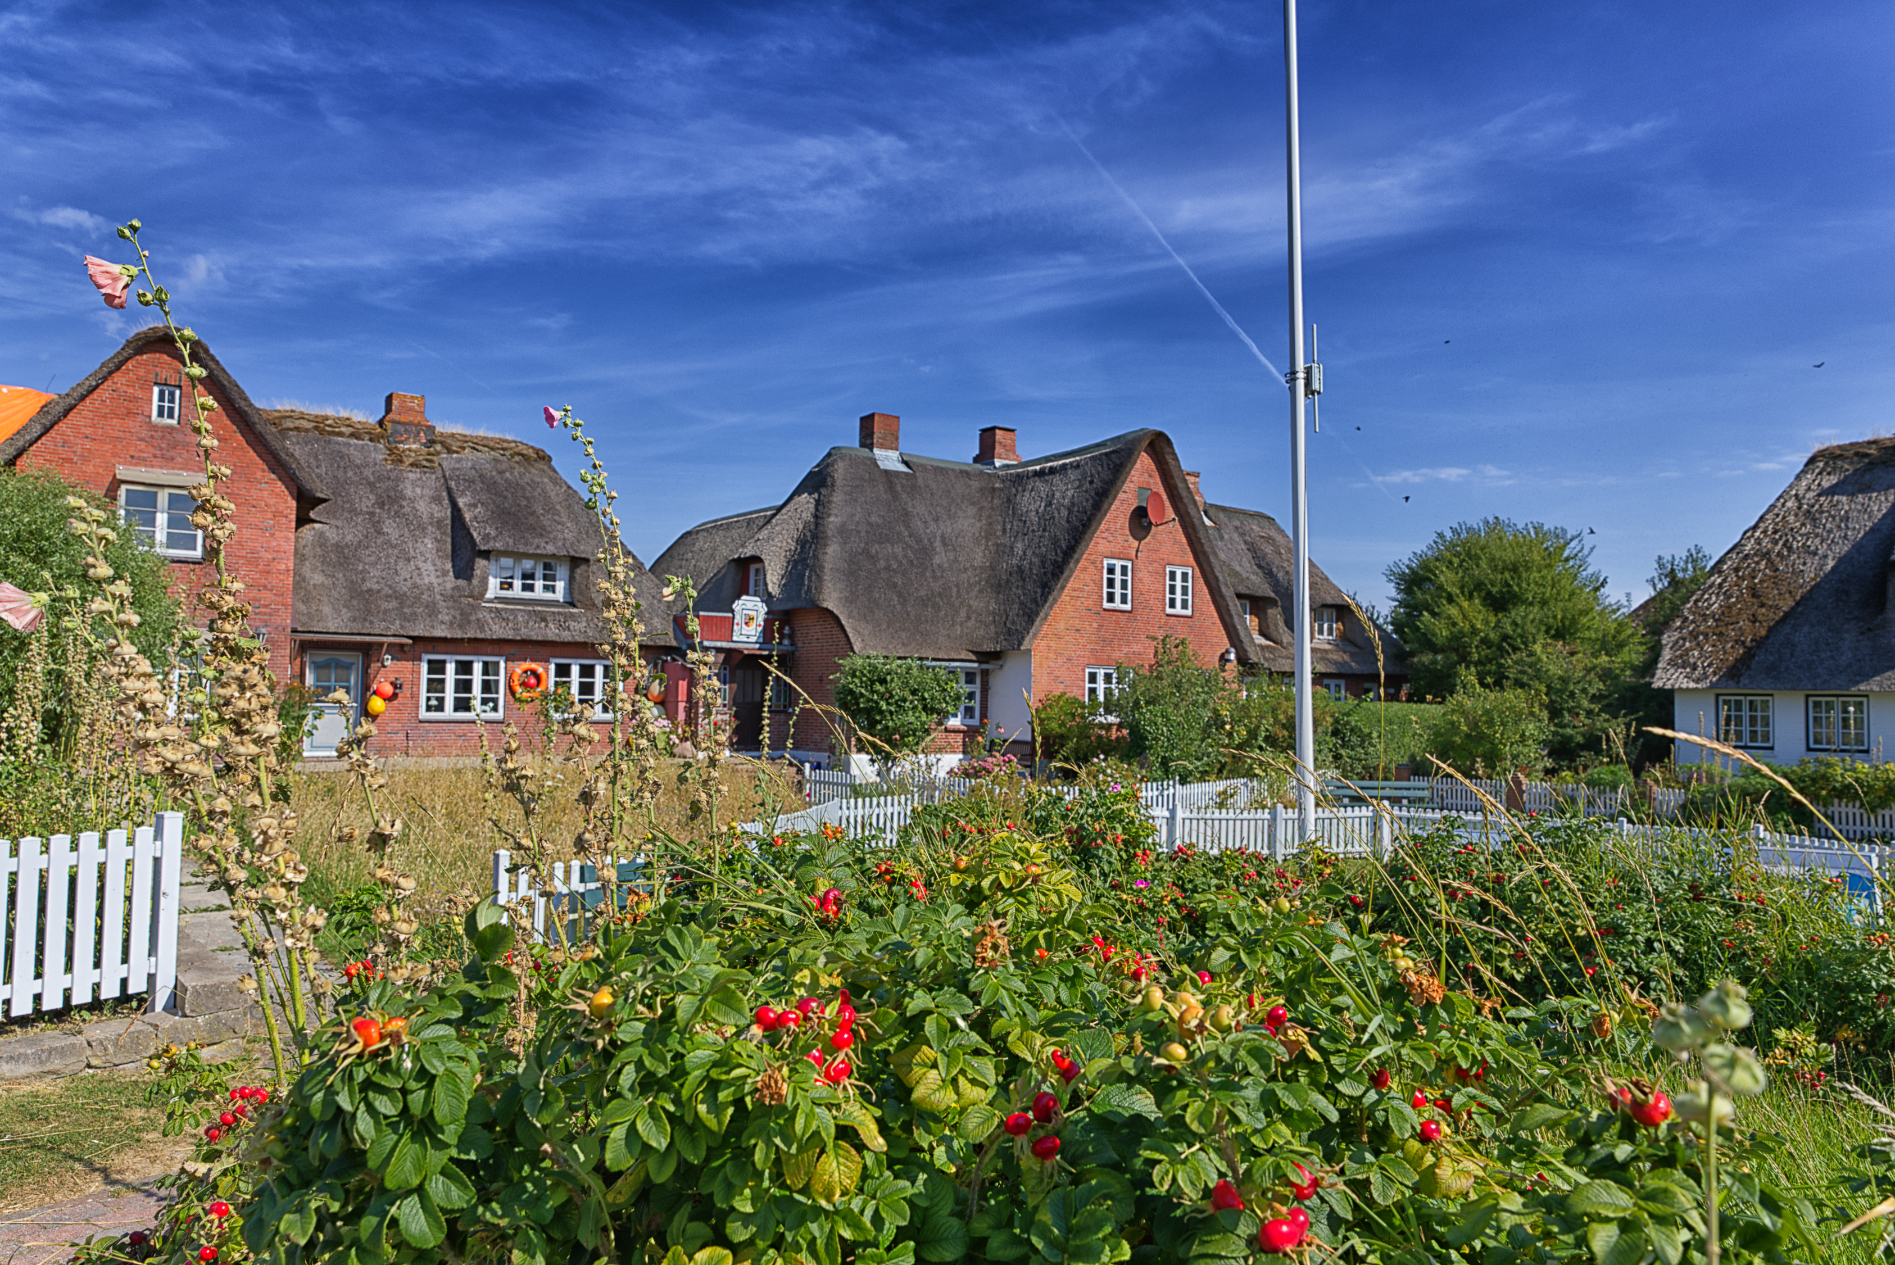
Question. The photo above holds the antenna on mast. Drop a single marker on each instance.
(1300, 381)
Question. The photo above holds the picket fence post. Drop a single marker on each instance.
(170, 865)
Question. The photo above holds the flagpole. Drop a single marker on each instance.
(1299, 492)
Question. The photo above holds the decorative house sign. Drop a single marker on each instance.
(746, 620)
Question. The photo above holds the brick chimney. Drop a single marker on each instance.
(996, 447)
(881, 431)
(405, 419)
(1197, 494)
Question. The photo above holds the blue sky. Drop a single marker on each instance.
(1572, 263)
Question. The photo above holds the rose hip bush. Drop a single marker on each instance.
(739, 1076)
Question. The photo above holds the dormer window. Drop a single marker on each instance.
(533, 579)
(1328, 623)
(751, 579)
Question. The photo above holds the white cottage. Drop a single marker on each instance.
(1788, 650)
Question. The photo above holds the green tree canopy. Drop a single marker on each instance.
(39, 553)
(895, 703)
(1506, 606)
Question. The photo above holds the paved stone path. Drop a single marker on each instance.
(45, 1236)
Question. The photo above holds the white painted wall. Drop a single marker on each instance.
(1695, 712)
(1008, 687)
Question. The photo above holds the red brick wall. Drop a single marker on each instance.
(400, 730)
(112, 427)
(1080, 632)
(820, 645)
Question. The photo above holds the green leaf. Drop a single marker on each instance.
(712, 1256)
(1537, 1117)
(1473, 1224)
(859, 1117)
(421, 1222)
(1597, 1199)
(654, 1127)
(1005, 1245)
(978, 1122)
(1119, 1102)
(406, 1165)
(1089, 1044)
(942, 1238)
(799, 1166)
(1668, 1240)
(836, 1173)
(449, 1188)
(1665, 1198)
(452, 1089)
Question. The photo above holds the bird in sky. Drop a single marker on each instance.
(1819, 364)
(1404, 500)
(1591, 532)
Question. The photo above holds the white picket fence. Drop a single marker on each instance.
(91, 919)
(1274, 832)
(573, 890)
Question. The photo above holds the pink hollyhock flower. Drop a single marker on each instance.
(19, 607)
(112, 282)
(552, 415)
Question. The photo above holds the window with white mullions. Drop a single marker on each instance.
(1327, 624)
(543, 579)
(1102, 686)
(1177, 590)
(165, 399)
(585, 681)
(461, 689)
(969, 681)
(161, 519)
(1118, 584)
(1745, 720)
(1839, 723)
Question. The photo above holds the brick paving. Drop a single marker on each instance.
(43, 1236)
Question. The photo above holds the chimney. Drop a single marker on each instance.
(405, 419)
(881, 431)
(996, 447)
(1197, 493)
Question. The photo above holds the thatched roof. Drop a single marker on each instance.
(936, 559)
(400, 548)
(1804, 600)
(309, 487)
(1256, 562)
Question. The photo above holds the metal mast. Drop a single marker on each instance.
(1299, 493)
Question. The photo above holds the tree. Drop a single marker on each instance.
(1675, 578)
(1480, 732)
(39, 553)
(1503, 606)
(895, 703)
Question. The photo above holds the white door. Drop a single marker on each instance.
(327, 672)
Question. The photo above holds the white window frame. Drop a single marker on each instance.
(1337, 688)
(565, 673)
(1102, 686)
(1178, 582)
(1327, 625)
(507, 580)
(753, 581)
(167, 403)
(1838, 707)
(172, 504)
(969, 681)
(1756, 723)
(1117, 585)
(446, 669)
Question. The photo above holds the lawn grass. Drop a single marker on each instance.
(60, 1139)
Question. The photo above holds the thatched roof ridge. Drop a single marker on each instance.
(931, 558)
(1257, 561)
(309, 488)
(1802, 600)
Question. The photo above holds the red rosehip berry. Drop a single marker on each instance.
(766, 1017)
(137, 1238)
(207, 1254)
(788, 1019)
(220, 1210)
(1277, 1016)
(1279, 1236)
(227, 1119)
(213, 1133)
(842, 1040)
(1044, 1105)
(1070, 1072)
(807, 1004)
(1419, 1101)
(1204, 978)
(1044, 1149)
(837, 1072)
(1019, 1123)
(1430, 1130)
(1381, 1078)
(1654, 1111)
(1298, 1217)
(1224, 1198)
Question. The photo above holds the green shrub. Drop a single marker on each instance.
(1489, 733)
(1068, 732)
(1369, 737)
(896, 703)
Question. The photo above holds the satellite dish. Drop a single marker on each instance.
(1156, 507)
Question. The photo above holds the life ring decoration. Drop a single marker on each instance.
(527, 681)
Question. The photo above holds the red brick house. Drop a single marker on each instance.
(390, 551)
(1025, 578)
